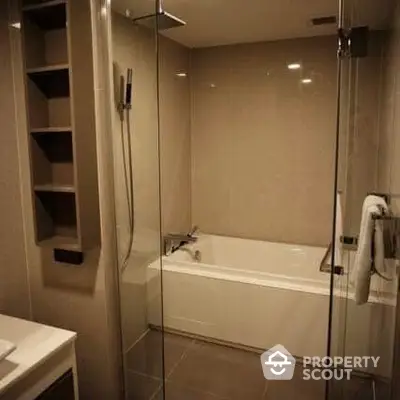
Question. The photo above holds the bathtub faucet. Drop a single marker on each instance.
(174, 241)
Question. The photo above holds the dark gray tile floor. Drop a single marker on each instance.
(197, 370)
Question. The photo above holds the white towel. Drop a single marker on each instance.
(361, 276)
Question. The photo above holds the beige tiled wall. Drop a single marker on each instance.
(175, 137)
(14, 291)
(389, 158)
(360, 133)
(389, 145)
(371, 163)
(262, 142)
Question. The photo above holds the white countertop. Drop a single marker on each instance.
(35, 344)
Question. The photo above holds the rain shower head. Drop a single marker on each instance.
(162, 20)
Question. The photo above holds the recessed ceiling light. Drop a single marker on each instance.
(306, 81)
(294, 66)
(181, 74)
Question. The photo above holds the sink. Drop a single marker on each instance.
(6, 348)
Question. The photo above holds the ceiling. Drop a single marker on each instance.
(219, 22)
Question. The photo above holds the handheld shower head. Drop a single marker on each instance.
(128, 95)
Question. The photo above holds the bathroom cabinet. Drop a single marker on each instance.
(43, 364)
(58, 63)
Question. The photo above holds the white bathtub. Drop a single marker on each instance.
(248, 292)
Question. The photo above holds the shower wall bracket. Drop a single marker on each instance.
(57, 58)
(353, 42)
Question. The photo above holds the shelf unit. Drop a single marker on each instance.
(58, 61)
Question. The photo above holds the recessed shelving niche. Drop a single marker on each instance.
(52, 81)
(45, 34)
(56, 219)
(52, 159)
(62, 133)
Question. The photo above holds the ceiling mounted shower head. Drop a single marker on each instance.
(162, 20)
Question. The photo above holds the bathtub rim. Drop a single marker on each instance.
(279, 282)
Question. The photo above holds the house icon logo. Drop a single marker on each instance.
(278, 364)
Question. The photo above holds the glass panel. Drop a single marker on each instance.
(136, 164)
(247, 109)
(339, 283)
(247, 138)
(366, 162)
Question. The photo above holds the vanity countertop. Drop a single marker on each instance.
(35, 344)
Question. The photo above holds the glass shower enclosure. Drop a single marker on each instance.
(244, 148)
(365, 166)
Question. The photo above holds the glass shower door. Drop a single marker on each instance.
(137, 185)
(366, 158)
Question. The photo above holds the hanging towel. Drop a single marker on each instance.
(370, 250)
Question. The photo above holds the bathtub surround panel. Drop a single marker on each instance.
(14, 290)
(262, 142)
(216, 309)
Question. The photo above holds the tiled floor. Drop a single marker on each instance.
(196, 370)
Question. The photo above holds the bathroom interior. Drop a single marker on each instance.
(186, 185)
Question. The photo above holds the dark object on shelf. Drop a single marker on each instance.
(68, 256)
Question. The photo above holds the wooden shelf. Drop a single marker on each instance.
(62, 125)
(48, 68)
(49, 187)
(53, 81)
(48, 15)
(51, 129)
(61, 242)
(37, 5)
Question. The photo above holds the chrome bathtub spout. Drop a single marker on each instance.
(174, 241)
(194, 230)
(176, 237)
